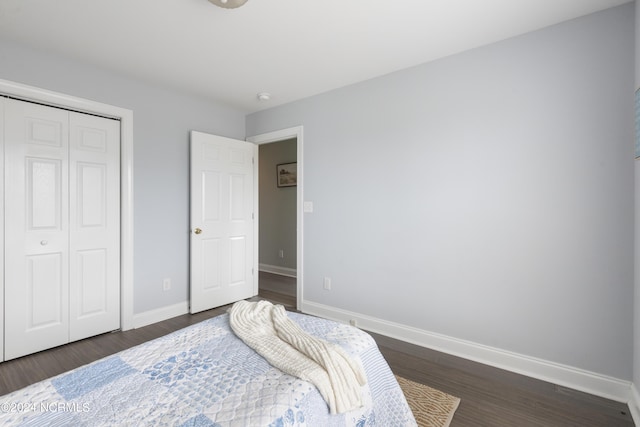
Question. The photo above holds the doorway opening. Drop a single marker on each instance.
(277, 221)
(296, 134)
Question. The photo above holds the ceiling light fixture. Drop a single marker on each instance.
(264, 96)
(228, 4)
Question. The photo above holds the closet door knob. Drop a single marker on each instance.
(44, 242)
(197, 231)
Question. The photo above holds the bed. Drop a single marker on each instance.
(204, 375)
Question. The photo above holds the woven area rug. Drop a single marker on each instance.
(430, 407)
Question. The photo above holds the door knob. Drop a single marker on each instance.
(197, 231)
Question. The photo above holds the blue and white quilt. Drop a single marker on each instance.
(204, 376)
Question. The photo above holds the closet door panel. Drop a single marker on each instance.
(95, 225)
(37, 228)
(44, 289)
(43, 194)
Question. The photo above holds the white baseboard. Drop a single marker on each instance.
(634, 404)
(563, 375)
(274, 269)
(160, 314)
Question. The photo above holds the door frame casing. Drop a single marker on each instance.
(2, 230)
(56, 99)
(276, 136)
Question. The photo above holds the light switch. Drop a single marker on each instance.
(307, 207)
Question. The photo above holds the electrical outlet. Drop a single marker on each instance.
(327, 283)
(281, 253)
(166, 284)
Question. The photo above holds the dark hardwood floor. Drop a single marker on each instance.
(489, 396)
(284, 286)
(494, 397)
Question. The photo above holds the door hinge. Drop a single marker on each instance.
(253, 215)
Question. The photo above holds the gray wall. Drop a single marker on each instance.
(162, 120)
(487, 196)
(277, 207)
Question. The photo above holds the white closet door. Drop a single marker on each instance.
(62, 227)
(94, 177)
(36, 228)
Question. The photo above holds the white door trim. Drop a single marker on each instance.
(2, 102)
(30, 93)
(281, 135)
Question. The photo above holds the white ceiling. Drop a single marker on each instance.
(290, 48)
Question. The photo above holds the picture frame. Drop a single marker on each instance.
(287, 174)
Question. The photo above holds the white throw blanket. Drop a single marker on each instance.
(267, 329)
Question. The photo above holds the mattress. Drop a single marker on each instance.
(203, 375)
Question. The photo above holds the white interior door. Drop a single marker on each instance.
(223, 262)
(94, 244)
(37, 228)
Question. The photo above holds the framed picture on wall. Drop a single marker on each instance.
(287, 174)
